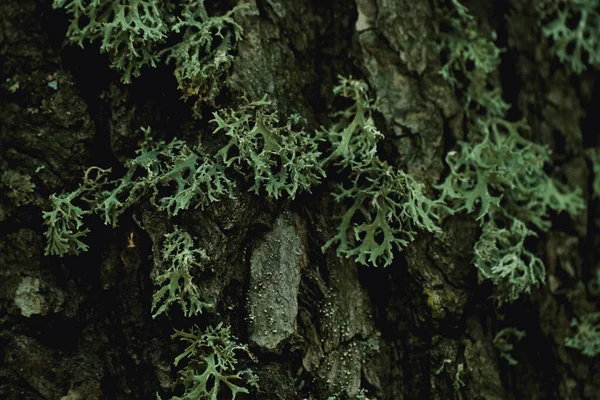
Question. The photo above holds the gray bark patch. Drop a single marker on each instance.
(274, 280)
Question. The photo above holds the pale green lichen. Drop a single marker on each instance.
(470, 58)
(129, 30)
(573, 27)
(139, 33)
(587, 335)
(386, 205)
(282, 156)
(64, 226)
(505, 167)
(467, 49)
(594, 157)
(171, 176)
(505, 341)
(353, 136)
(173, 276)
(501, 257)
(503, 177)
(205, 51)
(65, 221)
(210, 365)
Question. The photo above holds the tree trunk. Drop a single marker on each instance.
(319, 325)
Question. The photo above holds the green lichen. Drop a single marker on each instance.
(282, 156)
(501, 257)
(470, 59)
(353, 136)
(129, 30)
(466, 49)
(173, 275)
(587, 335)
(64, 226)
(594, 157)
(573, 27)
(503, 177)
(205, 51)
(386, 205)
(139, 33)
(64, 223)
(210, 365)
(499, 173)
(171, 176)
(504, 342)
(506, 171)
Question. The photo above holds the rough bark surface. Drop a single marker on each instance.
(81, 327)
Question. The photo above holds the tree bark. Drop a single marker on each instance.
(81, 327)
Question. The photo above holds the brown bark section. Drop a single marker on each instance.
(81, 327)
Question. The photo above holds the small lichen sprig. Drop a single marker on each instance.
(500, 173)
(501, 257)
(64, 223)
(387, 206)
(173, 275)
(573, 27)
(129, 30)
(587, 335)
(467, 49)
(353, 136)
(470, 58)
(205, 51)
(481, 171)
(282, 156)
(210, 363)
(505, 341)
(64, 226)
(503, 177)
(593, 156)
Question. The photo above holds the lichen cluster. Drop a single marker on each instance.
(143, 33)
(385, 205)
(499, 172)
(210, 361)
